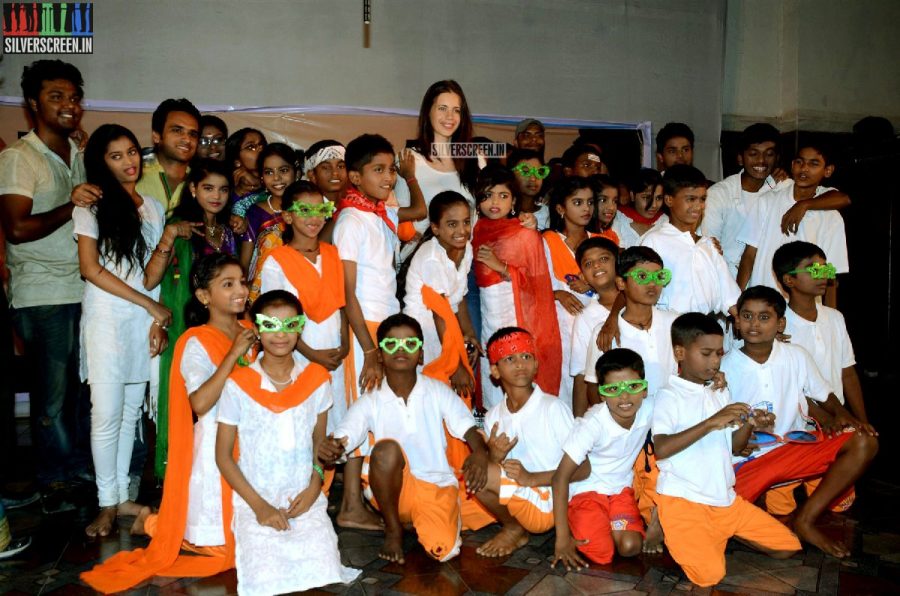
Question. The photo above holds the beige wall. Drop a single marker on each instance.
(811, 64)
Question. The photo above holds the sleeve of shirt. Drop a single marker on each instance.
(665, 414)
(729, 291)
(324, 399)
(582, 438)
(243, 204)
(714, 214)
(848, 358)
(593, 354)
(85, 223)
(581, 336)
(435, 275)
(356, 423)
(196, 366)
(834, 243)
(348, 237)
(271, 276)
(455, 413)
(17, 176)
(229, 406)
(401, 192)
(814, 385)
(562, 421)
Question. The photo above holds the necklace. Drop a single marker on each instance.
(273, 381)
(274, 210)
(642, 326)
(215, 235)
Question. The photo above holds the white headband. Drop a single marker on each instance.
(323, 154)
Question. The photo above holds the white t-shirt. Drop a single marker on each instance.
(415, 424)
(701, 281)
(366, 240)
(702, 472)
(610, 448)
(762, 229)
(432, 182)
(654, 345)
(827, 341)
(588, 321)
(785, 380)
(727, 206)
(542, 427)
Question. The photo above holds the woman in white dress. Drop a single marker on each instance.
(277, 407)
(122, 322)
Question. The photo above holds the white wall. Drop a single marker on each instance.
(811, 64)
(622, 60)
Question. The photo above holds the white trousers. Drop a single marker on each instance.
(115, 409)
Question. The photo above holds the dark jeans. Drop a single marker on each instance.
(60, 409)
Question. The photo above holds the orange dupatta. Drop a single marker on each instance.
(162, 557)
(320, 295)
(250, 381)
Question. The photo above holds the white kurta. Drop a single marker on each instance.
(114, 332)
(498, 310)
(431, 266)
(276, 459)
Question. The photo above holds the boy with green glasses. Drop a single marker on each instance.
(406, 474)
(599, 516)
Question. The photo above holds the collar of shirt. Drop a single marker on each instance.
(39, 145)
(510, 421)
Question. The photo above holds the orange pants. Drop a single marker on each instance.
(594, 517)
(696, 534)
(780, 499)
(532, 506)
(151, 524)
(645, 484)
(432, 510)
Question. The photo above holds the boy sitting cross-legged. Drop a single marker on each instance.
(602, 517)
(407, 476)
(528, 429)
(694, 439)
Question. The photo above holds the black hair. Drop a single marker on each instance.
(596, 242)
(790, 255)
(635, 255)
(516, 156)
(215, 121)
(363, 149)
(618, 359)
(570, 156)
(234, 142)
(119, 236)
(766, 294)
(643, 179)
(670, 131)
(162, 111)
(436, 209)
(692, 325)
(756, 134)
(398, 320)
(34, 75)
(318, 145)
(821, 147)
(189, 208)
(465, 168)
(561, 191)
(282, 150)
(491, 176)
(681, 176)
(203, 271)
(274, 298)
(291, 193)
(503, 332)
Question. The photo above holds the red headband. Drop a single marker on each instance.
(517, 342)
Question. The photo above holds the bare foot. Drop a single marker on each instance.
(103, 523)
(807, 532)
(653, 541)
(129, 509)
(360, 517)
(392, 549)
(508, 540)
(137, 528)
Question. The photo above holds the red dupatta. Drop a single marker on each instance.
(523, 252)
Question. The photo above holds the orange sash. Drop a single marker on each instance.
(453, 346)
(250, 381)
(161, 557)
(561, 257)
(320, 295)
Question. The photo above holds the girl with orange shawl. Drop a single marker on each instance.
(512, 275)
(195, 514)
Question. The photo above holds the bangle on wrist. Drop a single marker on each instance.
(163, 250)
(318, 470)
(411, 180)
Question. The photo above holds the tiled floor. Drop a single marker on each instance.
(60, 551)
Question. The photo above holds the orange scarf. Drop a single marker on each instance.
(321, 295)
(250, 382)
(523, 252)
(453, 346)
(356, 200)
(561, 257)
(161, 557)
